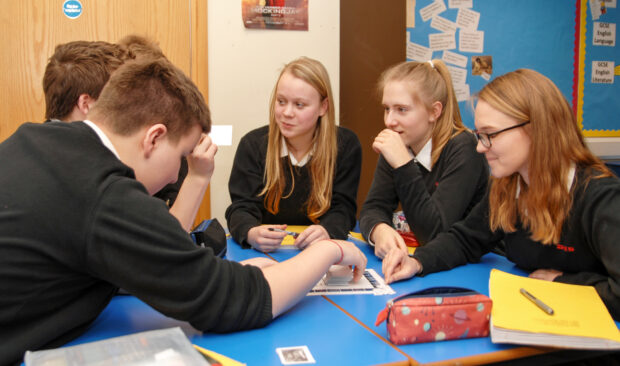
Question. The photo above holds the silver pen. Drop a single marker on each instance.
(291, 233)
(544, 307)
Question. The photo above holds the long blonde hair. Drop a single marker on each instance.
(543, 204)
(323, 162)
(430, 82)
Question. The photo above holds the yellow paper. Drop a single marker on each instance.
(224, 361)
(578, 310)
(289, 240)
(357, 236)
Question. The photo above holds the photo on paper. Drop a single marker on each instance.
(295, 355)
(481, 65)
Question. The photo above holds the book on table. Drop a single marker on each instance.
(549, 314)
(162, 347)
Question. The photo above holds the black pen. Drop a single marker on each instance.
(544, 307)
(291, 233)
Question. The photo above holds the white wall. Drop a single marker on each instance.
(604, 147)
(244, 65)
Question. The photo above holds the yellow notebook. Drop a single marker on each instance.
(579, 319)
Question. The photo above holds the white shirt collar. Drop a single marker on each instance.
(284, 152)
(102, 136)
(570, 177)
(424, 156)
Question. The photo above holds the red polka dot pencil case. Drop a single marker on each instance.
(436, 314)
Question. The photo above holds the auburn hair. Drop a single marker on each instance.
(544, 203)
(325, 149)
(430, 82)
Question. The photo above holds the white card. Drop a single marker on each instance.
(461, 91)
(442, 41)
(454, 58)
(452, 4)
(468, 19)
(418, 52)
(595, 9)
(443, 24)
(459, 76)
(434, 8)
(295, 355)
(602, 72)
(471, 41)
(604, 34)
(221, 135)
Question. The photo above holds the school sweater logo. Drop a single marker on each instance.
(565, 248)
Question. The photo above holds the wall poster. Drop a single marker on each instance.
(275, 14)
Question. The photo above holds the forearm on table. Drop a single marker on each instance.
(292, 279)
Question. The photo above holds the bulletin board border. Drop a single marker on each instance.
(579, 84)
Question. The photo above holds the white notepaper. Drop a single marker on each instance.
(442, 41)
(434, 8)
(418, 52)
(221, 135)
(454, 58)
(471, 41)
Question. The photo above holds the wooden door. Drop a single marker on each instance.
(32, 28)
(375, 33)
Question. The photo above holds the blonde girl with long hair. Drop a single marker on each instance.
(301, 169)
(427, 163)
(554, 204)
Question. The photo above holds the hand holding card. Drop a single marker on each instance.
(339, 275)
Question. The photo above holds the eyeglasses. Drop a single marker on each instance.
(485, 138)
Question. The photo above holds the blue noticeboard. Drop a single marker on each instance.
(545, 36)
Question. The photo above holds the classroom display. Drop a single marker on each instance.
(571, 42)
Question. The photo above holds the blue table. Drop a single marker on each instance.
(466, 351)
(338, 330)
(331, 335)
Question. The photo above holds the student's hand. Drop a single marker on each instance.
(310, 235)
(264, 240)
(201, 161)
(546, 274)
(259, 262)
(397, 265)
(389, 144)
(386, 238)
(352, 256)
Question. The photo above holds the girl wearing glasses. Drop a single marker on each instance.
(427, 161)
(553, 203)
(301, 169)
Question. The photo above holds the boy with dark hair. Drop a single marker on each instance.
(75, 75)
(78, 224)
(73, 79)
